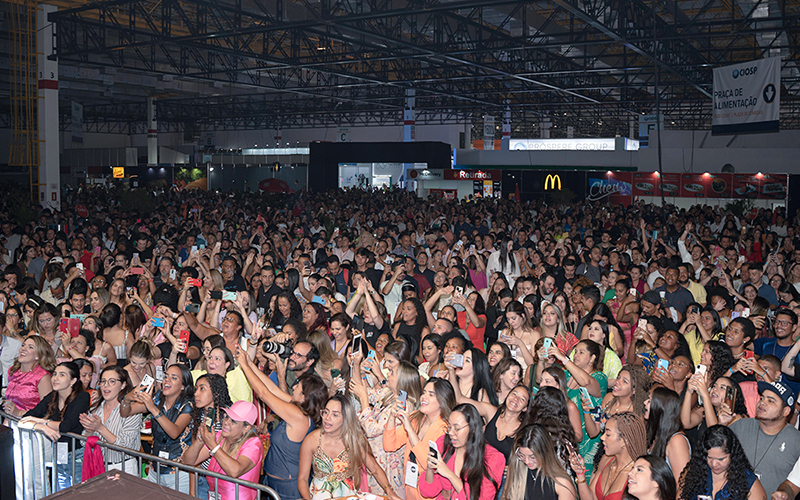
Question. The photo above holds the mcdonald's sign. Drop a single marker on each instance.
(551, 181)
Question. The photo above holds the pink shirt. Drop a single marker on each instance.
(494, 461)
(23, 388)
(252, 449)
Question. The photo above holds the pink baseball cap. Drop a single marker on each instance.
(243, 411)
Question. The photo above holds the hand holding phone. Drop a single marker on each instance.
(147, 382)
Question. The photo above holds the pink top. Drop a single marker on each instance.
(23, 387)
(494, 461)
(252, 449)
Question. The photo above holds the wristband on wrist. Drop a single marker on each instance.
(158, 415)
(216, 449)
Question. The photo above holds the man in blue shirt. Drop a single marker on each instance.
(674, 295)
(764, 289)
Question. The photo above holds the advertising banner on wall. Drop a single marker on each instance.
(747, 97)
(706, 185)
(610, 188)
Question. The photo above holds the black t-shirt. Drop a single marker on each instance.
(371, 333)
(194, 341)
(265, 296)
(70, 421)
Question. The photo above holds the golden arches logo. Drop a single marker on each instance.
(551, 180)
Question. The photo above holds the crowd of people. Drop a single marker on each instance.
(347, 342)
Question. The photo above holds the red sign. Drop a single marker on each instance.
(81, 211)
(720, 186)
(746, 185)
(694, 185)
(773, 186)
(671, 185)
(645, 184)
(472, 175)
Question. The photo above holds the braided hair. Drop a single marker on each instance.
(221, 399)
(632, 430)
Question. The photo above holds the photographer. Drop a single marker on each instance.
(300, 414)
(302, 360)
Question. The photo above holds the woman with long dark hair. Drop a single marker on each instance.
(533, 469)
(549, 409)
(210, 397)
(665, 437)
(58, 413)
(465, 464)
(171, 408)
(504, 261)
(719, 466)
(520, 335)
(473, 379)
(411, 324)
(650, 479)
(700, 327)
(286, 306)
(105, 421)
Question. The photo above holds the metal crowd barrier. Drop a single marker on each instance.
(32, 482)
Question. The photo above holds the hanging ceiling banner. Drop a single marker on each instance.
(747, 97)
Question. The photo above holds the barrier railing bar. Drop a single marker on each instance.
(36, 437)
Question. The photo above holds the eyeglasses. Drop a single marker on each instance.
(108, 381)
(452, 428)
(783, 322)
(525, 458)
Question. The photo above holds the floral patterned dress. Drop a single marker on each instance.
(374, 420)
(330, 475)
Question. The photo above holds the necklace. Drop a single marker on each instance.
(610, 484)
(755, 452)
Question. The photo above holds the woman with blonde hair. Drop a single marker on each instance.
(328, 360)
(378, 407)
(534, 471)
(29, 376)
(335, 455)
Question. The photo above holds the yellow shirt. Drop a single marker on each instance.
(238, 387)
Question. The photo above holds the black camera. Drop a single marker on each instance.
(283, 350)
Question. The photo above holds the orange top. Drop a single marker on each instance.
(395, 438)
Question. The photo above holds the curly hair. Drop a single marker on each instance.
(640, 384)
(422, 319)
(739, 407)
(549, 409)
(694, 478)
(295, 309)
(721, 359)
(221, 399)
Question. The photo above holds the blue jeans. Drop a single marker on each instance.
(285, 488)
(65, 477)
(202, 487)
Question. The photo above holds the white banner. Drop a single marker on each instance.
(747, 97)
(563, 144)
